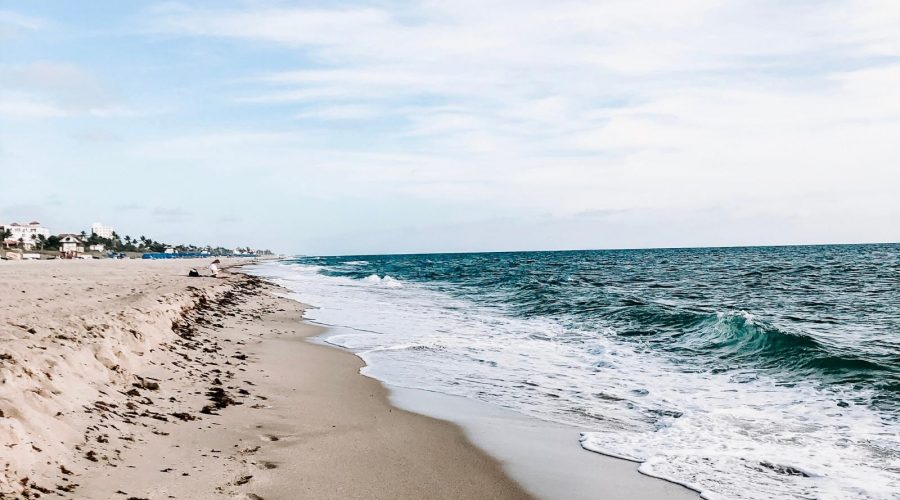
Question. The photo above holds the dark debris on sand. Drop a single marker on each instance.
(197, 354)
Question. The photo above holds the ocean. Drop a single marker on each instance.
(755, 372)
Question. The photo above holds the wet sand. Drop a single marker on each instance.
(544, 457)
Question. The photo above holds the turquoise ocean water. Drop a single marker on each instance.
(760, 372)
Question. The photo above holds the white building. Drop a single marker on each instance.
(101, 230)
(28, 233)
(99, 247)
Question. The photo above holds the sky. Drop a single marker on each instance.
(426, 126)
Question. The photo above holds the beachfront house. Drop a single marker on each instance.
(25, 236)
(70, 246)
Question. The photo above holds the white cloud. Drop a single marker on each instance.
(45, 89)
(340, 112)
(22, 105)
(702, 106)
(13, 24)
(663, 104)
(70, 86)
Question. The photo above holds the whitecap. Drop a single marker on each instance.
(386, 281)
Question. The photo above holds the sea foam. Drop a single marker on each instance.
(728, 434)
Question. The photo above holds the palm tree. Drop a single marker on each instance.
(42, 240)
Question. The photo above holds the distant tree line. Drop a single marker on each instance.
(129, 244)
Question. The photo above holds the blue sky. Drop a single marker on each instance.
(422, 126)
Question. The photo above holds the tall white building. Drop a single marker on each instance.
(101, 230)
(28, 233)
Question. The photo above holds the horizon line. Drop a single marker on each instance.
(612, 249)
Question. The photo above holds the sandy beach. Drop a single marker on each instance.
(102, 397)
(127, 379)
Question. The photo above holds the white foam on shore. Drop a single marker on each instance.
(725, 435)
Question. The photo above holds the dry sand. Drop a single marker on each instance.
(126, 379)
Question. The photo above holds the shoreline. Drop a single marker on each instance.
(564, 470)
(523, 443)
(155, 385)
(545, 457)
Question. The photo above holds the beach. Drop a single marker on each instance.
(127, 379)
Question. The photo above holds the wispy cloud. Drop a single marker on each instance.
(96, 136)
(341, 112)
(12, 24)
(659, 104)
(129, 207)
(69, 88)
(47, 89)
(169, 214)
(24, 105)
